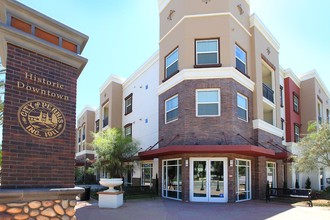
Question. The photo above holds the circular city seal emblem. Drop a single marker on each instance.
(41, 119)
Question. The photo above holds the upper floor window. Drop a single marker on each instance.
(84, 133)
(207, 52)
(171, 109)
(319, 111)
(295, 103)
(240, 59)
(79, 135)
(208, 102)
(97, 126)
(296, 132)
(129, 104)
(105, 115)
(328, 116)
(242, 107)
(172, 63)
(128, 130)
(281, 96)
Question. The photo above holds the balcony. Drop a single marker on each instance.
(105, 122)
(268, 93)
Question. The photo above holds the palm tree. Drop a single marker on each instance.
(113, 150)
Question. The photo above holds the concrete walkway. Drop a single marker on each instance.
(163, 209)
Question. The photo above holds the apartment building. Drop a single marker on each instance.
(210, 108)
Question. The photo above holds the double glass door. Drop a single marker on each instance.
(208, 180)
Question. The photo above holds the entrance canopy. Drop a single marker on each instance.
(248, 150)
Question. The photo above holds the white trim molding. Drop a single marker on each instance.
(262, 125)
(85, 109)
(256, 22)
(207, 73)
(112, 78)
(313, 74)
(289, 73)
(163, 3)
(206, 15)
(142, 69)
(85, 152)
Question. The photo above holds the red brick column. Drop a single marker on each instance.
(231, 180)
(280, 173)
(261, 178)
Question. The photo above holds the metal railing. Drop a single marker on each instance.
(268, 93)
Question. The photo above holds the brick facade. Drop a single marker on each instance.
(28, 161)
(220, 130)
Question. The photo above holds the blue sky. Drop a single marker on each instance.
(124, 34)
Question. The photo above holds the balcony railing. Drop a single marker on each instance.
(105, 122)
(268, 93)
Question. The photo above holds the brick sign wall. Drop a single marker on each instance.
(39, 121)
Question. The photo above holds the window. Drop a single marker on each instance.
(79, 136)
(271, 174)
(105, 114)
(240, 59)
(208, 102)
(146, 179)
(172, 179)
(296, 132)
(243, 178)
(128, 104)
(242, 107)
(128, 130)
(319, 111)
(281, 96)
(84, 133)
(207, 52)
(171, 63)
(171, 109)
(328, 116)
(97, 126)
(295, 103)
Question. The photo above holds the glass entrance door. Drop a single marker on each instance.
(208, 180)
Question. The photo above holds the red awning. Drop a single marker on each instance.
(249, 150)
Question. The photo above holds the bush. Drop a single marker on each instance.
(308, 183)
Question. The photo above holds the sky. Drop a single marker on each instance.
(124, 34)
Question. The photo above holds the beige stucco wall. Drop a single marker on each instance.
(259, 45)
(186, 7)
(112, 94)
(310, 92)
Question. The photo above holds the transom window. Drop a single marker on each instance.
(240, 59)
(128, 130)
(295, 103)
(208, 102)
(171, 109)
(242, 107)
(172, 63)
(296, 132)
(128, 104)
(207, 52)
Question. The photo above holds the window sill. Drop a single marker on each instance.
(128, 113)
(176, 72)
(245, 74)
(207, 65)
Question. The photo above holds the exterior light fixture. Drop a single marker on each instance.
(206, 1)
(240, 8)
(170, 15)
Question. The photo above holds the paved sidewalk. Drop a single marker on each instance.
(163, 209)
